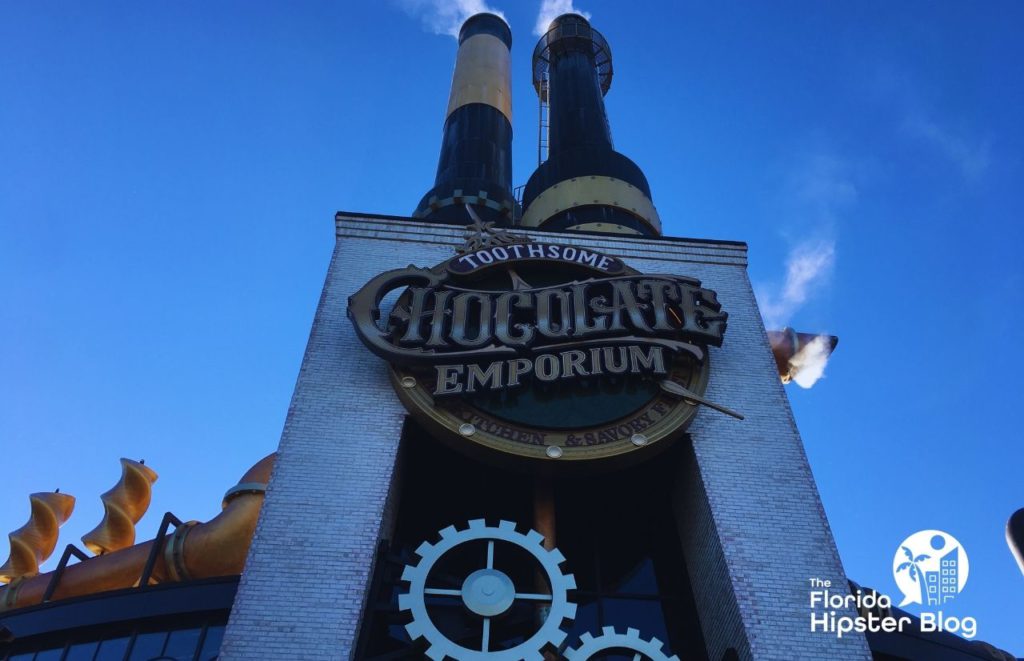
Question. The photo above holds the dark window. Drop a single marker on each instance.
(176, 638)
(211, 643)
(148, 645)
(113, 649)
(82, 652)
(181, 644)
(617, 532)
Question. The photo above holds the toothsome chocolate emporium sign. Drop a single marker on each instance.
(544, 351)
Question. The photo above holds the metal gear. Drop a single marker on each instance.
(611, 640)
(488, 592)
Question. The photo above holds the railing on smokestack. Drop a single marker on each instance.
(544, 120)
(602, 54)
(517, 193)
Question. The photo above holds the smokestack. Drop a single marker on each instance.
(584, 184)
(801, 357)
(475, 166)
(1015, 536)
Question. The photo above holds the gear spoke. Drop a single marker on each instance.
(485, 641)
(490, 554)
(442, 592)
(533, 596)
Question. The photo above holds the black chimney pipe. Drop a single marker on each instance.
(1015, 536)
(584, 184)
(475, 166)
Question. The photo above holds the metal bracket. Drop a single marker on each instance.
(69, 550)
(157, 548)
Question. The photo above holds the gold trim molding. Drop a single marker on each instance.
(593, 189)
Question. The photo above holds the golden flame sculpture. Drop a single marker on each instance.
(34, 542)
(123, 506)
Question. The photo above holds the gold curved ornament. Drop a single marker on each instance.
(123, 506)
(34, 542)
(217, 547)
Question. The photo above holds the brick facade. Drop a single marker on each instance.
(750, 518)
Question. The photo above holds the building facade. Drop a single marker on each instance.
(523, 428)
(738, 494)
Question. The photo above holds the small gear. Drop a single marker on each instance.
(488, 592)
(611, 640)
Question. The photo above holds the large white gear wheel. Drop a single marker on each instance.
(609, 639)
(488, 592)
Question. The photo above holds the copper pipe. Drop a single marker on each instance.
(544, 523)
(544, 509)
(219, 547)
(196, 550)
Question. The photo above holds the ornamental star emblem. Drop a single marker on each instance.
(484, 235)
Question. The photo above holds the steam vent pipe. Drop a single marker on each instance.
(475, 166)
(1015, 536)
(584, 184)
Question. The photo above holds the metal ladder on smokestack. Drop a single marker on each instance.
(544, 121)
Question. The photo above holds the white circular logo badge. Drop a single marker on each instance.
(930, 568)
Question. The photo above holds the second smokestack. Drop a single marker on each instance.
(584, 185)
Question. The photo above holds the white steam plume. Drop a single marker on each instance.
(808, 365)
(445, 17)
(808, 266)
(552, 9)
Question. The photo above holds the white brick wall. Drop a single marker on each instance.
(752, 524)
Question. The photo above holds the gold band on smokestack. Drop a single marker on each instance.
(483, 74)
(34, 542)
(123, 506)
(593, 190)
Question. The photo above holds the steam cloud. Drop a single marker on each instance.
(807, 267)
(808, 365)
(445, 16)
(820, 190)
(552, 9)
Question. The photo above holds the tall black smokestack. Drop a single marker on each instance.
(476, 150)
(585, 184)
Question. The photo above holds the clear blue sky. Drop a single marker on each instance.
(169, 174)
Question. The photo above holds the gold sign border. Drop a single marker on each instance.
(651, 428)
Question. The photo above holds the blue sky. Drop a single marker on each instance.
(169, 174)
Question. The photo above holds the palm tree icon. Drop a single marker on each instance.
(914, 569)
